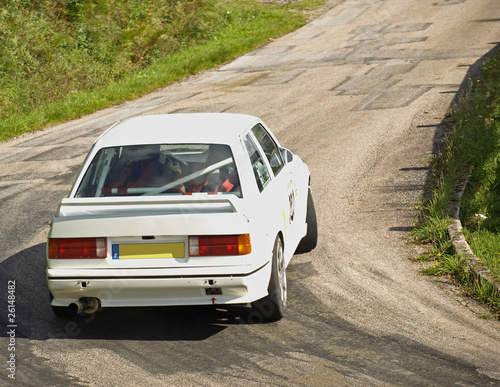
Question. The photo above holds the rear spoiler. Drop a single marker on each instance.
(192, 203)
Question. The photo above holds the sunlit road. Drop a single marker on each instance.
(361, 94)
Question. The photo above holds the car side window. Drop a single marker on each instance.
(260, 171)
(270, 148)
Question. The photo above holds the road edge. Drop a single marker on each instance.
(455, 231)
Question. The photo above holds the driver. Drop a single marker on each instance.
(137, 166)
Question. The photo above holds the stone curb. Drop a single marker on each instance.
(482, 273)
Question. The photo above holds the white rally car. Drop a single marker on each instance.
(181, 209)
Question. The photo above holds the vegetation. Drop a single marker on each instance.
(474, 141)
(65, 58)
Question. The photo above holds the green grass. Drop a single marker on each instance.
(62, 59)
(474, 141)
(480, 206)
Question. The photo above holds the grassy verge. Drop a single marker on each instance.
(475, 141)
(66, 58)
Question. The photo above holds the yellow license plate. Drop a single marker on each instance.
(148, 250)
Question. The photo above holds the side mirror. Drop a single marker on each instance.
(286, 155)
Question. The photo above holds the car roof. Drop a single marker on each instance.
(209, 128)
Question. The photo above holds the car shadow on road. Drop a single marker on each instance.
(35, 320)
(310, 327)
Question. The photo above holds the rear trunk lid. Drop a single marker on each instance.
(149, 233)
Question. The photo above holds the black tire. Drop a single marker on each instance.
(273, 306)
(310, 240)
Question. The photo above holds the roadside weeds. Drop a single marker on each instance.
(463, 204)
(66, 60)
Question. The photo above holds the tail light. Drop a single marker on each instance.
(212, 245)
(77, 248)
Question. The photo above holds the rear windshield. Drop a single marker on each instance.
(170, 169)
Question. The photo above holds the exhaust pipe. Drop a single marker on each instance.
(85, 305)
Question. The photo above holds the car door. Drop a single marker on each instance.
(276, 183)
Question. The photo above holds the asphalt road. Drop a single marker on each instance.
(361, 94)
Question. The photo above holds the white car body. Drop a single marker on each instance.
(158, 225)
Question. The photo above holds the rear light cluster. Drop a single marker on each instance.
(77, 248)
(199, 246)
(213, 245)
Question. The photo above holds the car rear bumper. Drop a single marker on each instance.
(127, 290)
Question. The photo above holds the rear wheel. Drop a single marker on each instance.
(310, 240)
(273, 306)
